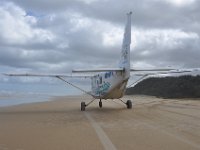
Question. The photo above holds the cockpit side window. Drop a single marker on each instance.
(108, 74)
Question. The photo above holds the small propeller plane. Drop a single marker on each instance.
(108, 83)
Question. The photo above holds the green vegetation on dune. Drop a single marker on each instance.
(168, 87)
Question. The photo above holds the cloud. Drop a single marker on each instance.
(18, 28)
(166, 48)
(56, 36)
(181, 3)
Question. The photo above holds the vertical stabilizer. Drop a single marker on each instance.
(125, 53)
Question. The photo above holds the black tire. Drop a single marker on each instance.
(83, 106)
(100, 104)
(129, 104)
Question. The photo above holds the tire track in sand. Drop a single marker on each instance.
(106, 142)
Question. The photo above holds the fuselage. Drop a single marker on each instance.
(109, 85)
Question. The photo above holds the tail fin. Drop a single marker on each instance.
(125, 53)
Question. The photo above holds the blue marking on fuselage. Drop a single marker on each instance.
(103, 88)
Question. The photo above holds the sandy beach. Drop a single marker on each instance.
(152, 124)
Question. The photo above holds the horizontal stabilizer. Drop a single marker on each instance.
(96, 70)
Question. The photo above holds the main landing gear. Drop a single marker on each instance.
(129, 104)
(83, 105)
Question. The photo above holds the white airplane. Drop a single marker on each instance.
(109, 83)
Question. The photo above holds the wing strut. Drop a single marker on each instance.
(74, 86)
(141, 78)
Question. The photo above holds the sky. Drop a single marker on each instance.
(51, 36)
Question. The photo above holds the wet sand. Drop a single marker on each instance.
(152, 124)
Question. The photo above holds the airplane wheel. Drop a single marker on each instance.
(129, 104)
(100, 104)
(83, 106)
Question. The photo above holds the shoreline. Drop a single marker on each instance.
(26, 100)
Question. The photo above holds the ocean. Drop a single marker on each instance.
(20, 93)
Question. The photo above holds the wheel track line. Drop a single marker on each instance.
(104, 139)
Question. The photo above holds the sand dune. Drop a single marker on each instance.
(152, 124)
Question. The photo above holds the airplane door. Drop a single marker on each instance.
(99, 83)
(100, 80)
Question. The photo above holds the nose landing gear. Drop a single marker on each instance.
(100, 104)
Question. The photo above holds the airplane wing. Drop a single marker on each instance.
(47, 75)
(157, 73)
(59, 76)
(140, 70)
(151, 71)
(96, 70)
